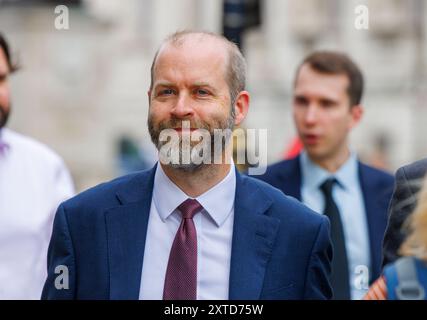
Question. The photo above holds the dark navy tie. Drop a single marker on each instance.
(340, 278)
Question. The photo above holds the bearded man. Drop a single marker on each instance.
(33, 182)
(192, 227)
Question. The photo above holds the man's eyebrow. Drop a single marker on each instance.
(300, 96)
(202, 84)
(329, 100)
(163, 84)
(206, 85)
(195, 84)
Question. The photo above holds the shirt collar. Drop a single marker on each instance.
(4, 146)
(314, 176)
(218, 201)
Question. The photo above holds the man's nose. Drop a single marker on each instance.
(182, 107)
(311, 114)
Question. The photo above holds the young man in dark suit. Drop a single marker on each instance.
(328, 177)
(190, 229)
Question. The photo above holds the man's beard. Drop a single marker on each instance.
(4, 116)
(224, 125)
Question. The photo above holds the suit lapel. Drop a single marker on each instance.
(126, 234)
(373, 208)
(291, 178)
(254, 234)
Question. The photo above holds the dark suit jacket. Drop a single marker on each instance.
(402, 204)
(280, 248)
(376, 185)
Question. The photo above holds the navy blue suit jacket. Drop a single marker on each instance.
(377, 188)
(280, 248)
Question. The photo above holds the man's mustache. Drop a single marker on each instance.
(176, 123)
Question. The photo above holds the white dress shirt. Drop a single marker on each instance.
(348, 196)
(214, 225)
(33, 181)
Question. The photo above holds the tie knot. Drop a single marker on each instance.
(327, 186)
(189, 208)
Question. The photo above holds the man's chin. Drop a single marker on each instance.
(314, 152)
(190, 167)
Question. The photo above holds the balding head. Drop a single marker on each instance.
(234, 67)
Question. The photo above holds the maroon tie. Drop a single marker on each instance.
(181, 274)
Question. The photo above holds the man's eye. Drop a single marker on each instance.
(166, 92)
(202, 92)
(300, 101)
(327, 104)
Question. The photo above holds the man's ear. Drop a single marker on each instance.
(356, 115)
(241, 107)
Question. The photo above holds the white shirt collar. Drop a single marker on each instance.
(4, 145)
(2, 135)
(218, 201)
(313, 175)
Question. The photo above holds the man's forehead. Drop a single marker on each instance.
(194, 59)
(196, 39)
(195, 46)
(309, 76)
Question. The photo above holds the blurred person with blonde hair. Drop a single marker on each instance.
(402, 203)
(406, 278)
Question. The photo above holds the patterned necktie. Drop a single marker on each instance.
(340, 278)
(181, 273)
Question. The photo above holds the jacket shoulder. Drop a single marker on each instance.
(39, 153)
(281, 168)
(377, 174)
(415, 170)
(284, 207)
(105, 195)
